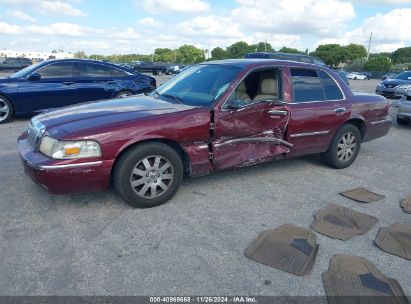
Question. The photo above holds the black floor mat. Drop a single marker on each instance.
(362, 195)
(288, 247)
(395, 239)
(352, 279)
(341, 223)
(406, 204)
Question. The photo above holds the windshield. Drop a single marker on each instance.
(24, 72)
(199, 85)
(404, 76)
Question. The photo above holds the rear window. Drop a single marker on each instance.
(331, 89)
(307, 85)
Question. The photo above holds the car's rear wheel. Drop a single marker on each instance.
(148, 175)
(6, 110)
(160, 73)
(344, 148)
(402, 121)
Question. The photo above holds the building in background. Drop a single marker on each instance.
(36, 55)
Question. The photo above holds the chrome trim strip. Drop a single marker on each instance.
(386, 120)
(274, 140)
(51, 167)
(310, 134)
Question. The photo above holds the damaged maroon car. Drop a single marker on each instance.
(212, 116)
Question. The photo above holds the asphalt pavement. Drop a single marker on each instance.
(95, 244)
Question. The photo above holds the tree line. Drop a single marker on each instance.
(352, 57)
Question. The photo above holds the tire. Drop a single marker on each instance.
(136, 171)
(159, 73)
(355, 78)
(6, 110)
(334, 156)
(123, 94)
(402, 121)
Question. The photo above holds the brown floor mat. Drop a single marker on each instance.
(362, 195)
(352, 279)
(406, 204)
(288, 247)
(341, 223)
(395, 239)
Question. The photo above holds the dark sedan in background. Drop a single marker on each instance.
(59, 83)
(394, 87)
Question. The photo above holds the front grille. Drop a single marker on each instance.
(390, 86)
(35, 132)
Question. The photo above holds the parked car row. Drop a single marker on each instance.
(212, 116)
(16, 64)
(58, 83)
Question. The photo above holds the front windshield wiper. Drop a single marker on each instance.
(176, 98)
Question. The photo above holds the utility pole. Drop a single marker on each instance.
(265, 45)
(369, 46)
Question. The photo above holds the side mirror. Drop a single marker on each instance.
(34, 76)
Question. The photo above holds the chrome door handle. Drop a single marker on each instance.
(278, 112)
(339, 110)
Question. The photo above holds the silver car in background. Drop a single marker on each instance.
(404, 109)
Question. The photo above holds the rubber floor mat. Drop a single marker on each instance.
(288, 247)
(406, 204)
(352, 279)
(341, 223)
(362, 195)
(395, 239)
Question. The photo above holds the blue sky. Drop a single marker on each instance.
(125, 26)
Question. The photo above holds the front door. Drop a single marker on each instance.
(55, 88)
(250, 126)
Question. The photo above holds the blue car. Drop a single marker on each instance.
(58, 83)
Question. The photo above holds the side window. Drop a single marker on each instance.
(307, 85)
(331, 90)
(95, 70)
(57, 70)
(118, 73)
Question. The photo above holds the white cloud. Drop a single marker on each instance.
(210, 26)
(296, 17)
(48, 6)
(149, 22)
(157, 6)
(387, 34)
(59, 28)
(20, 15)
(6, 28)
(385, 2)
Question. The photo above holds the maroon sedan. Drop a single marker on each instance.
(212, 116)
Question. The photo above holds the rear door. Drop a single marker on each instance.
(252, 133)
(98, 81)
(56, 88)
(318, 109)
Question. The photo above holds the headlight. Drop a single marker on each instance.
(380, 85)
(404, 87)
(69, 149)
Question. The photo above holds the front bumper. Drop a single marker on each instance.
(387, 92)
(404, 109)
(64, 176)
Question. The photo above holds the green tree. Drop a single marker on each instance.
(378, 64)
(239, 49)
(357, 65)
(332, 54)
(218, 53)
(188, 54)
(355, 51)
(261, 47)
(79, 54)
(285, 49)
(401, 55)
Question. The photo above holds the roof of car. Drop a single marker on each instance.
(251, 62)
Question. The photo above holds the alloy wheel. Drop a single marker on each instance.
(346, 147)
(152, 176)
(4, 109)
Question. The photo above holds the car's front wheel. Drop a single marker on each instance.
(344, 148)
(6, 110)
(148, 175)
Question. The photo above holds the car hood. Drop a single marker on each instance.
(395, 82)
(104, 113)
